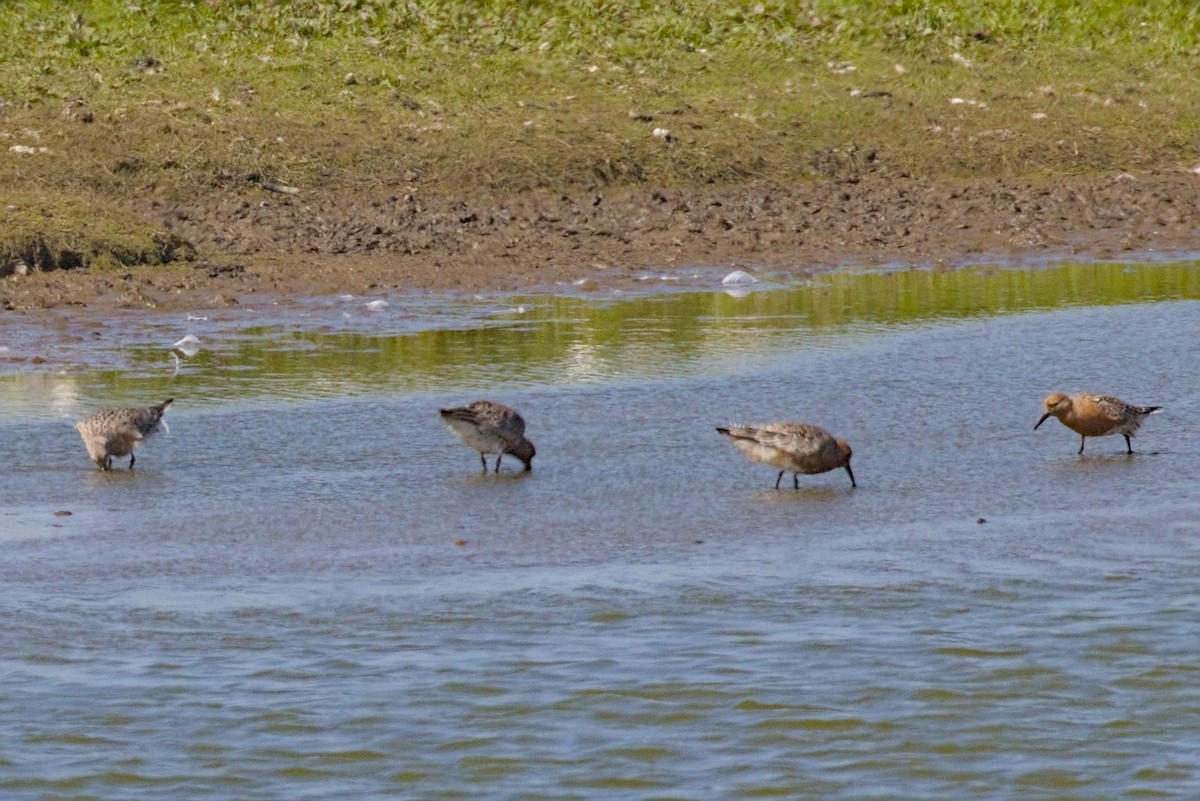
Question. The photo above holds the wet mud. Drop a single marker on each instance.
(252, 241)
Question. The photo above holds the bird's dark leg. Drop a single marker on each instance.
(498, 461)
(483, 461)
(107, 465)
(131, 460)
(1082, 439)
(779, 478)
(795, 481)
(1128, 445)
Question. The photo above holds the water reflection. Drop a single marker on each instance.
(318, 349)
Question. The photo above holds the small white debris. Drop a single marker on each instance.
(899, 68)
(661, 133)
(738, 278)
(961, 60)
(840, 67)
(376, 305)
(195, 318)
(579, 281)
(1038, 115)
(1196, 170)
(189, 346)
(27, 149)
(957, 101)
(346, 297)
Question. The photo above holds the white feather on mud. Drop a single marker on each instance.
(738, 278)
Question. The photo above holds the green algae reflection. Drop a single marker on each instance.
(582, 339)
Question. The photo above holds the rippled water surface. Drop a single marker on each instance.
(307, 590)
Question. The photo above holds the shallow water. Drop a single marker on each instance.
(307, 590)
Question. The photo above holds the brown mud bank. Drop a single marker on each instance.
(254, 241)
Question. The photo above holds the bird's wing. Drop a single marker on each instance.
(466, 414)
(495, 418)
(740, 432)
(503, 418)
(1114, 408)
(795, 438)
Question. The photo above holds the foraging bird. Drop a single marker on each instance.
(491, 427)
(1096, 416)
(798, 447)
(117, 430)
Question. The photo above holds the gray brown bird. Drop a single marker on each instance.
(798, 447)
(117, 430)
(1096, 416)
(491, 427)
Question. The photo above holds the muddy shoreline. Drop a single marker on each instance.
(253, 241)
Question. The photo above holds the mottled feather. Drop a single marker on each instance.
(795, 447)
(116, 430)
(490, 427)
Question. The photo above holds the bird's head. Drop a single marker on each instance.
(1057, 404)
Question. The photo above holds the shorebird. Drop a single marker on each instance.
(798, 447)
(117, 430)
(1096, 416)
(491, 427)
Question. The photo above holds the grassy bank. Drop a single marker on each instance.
(107, 101)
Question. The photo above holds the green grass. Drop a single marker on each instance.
(62, 232)
(164, 99)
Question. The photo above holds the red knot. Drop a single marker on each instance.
(491, 427)
(798, 447)
(1096, 416)
(117, 430)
